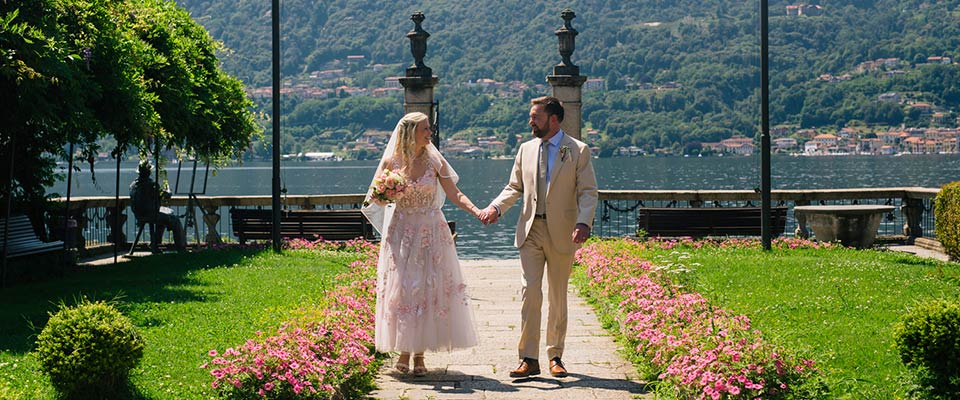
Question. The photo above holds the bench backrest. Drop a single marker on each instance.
(708, 221)
(255, 224)
(22, 240)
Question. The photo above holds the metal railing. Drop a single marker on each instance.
(617, 212)
(206, 218)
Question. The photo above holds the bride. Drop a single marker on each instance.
(421, 299)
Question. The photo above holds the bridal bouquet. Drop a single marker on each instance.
(388, 187)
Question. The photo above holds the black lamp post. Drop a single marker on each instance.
(275, 34)
(766, 228)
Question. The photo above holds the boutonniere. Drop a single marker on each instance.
(564, 153)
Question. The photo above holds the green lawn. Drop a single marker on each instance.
(183, 304)
(834, 306)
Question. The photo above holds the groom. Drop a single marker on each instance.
(554, 174)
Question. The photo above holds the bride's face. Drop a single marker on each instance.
(422, 135)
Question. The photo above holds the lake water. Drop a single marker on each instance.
(482, 180)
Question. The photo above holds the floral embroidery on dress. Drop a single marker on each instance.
(420, 283)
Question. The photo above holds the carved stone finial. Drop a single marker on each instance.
(567, 15)
(418, 47)
(566, 37)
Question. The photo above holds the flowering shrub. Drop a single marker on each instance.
(324, 352)
(389, 186)
(700, 351)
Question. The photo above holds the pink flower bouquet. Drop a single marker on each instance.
(388, 187)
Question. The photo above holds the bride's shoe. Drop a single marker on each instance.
(403, 363)
(419, 369)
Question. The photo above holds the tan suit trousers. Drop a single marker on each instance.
(535, 254)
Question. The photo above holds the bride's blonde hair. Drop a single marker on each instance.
(405, 137)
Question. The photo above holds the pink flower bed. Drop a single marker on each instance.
(316, 353)
(702, 351)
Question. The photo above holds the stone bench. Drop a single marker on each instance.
(852, 225)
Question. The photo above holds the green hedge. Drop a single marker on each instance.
(88, 350)
(928, 340)
(946, 211)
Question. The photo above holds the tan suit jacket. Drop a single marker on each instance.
(571, 194)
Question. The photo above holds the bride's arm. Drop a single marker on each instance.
(457, 197)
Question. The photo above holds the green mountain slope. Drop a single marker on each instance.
(705, 52)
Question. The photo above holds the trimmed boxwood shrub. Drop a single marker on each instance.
(946, 211)
(89, 349)
(928, 340)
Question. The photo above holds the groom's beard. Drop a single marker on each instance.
(538, 132)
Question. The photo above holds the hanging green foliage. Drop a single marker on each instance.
(140, 72)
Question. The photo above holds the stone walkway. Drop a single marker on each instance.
(597, 371)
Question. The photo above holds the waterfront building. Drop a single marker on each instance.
(784, 144)
(739, 145)
(871, 146)
(825, 141)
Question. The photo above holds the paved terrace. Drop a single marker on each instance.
(596, 370)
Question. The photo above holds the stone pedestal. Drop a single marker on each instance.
(418, 94)
(912, 211)
(116, 220)
(853, 225)
(801, 232)
(210, 219)
(569, 89)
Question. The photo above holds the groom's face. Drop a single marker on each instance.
(539, 120)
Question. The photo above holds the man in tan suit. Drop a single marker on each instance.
(554, 174)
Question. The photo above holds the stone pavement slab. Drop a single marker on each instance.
(919, 251)
(596, 369)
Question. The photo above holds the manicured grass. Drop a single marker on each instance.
(184, 305)
(835, 306)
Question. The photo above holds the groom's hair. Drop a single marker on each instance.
(551, 105)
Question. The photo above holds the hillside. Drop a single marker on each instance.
(676, 72)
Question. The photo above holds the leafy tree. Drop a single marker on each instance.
(138, 71)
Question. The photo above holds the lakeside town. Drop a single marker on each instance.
(339, 80)
(850, 141)
(803, 142)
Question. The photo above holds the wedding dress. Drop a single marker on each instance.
(422, 301)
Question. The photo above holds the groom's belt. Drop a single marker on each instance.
(541, 216)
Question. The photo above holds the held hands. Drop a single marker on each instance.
(580, 233)
(488, 215)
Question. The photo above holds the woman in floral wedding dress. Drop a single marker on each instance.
(421, 298)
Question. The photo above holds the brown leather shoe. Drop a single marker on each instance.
(528, 366)
(556, 368)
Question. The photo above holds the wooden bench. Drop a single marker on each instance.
(22, 240)
(708, 221)
(257, 224)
